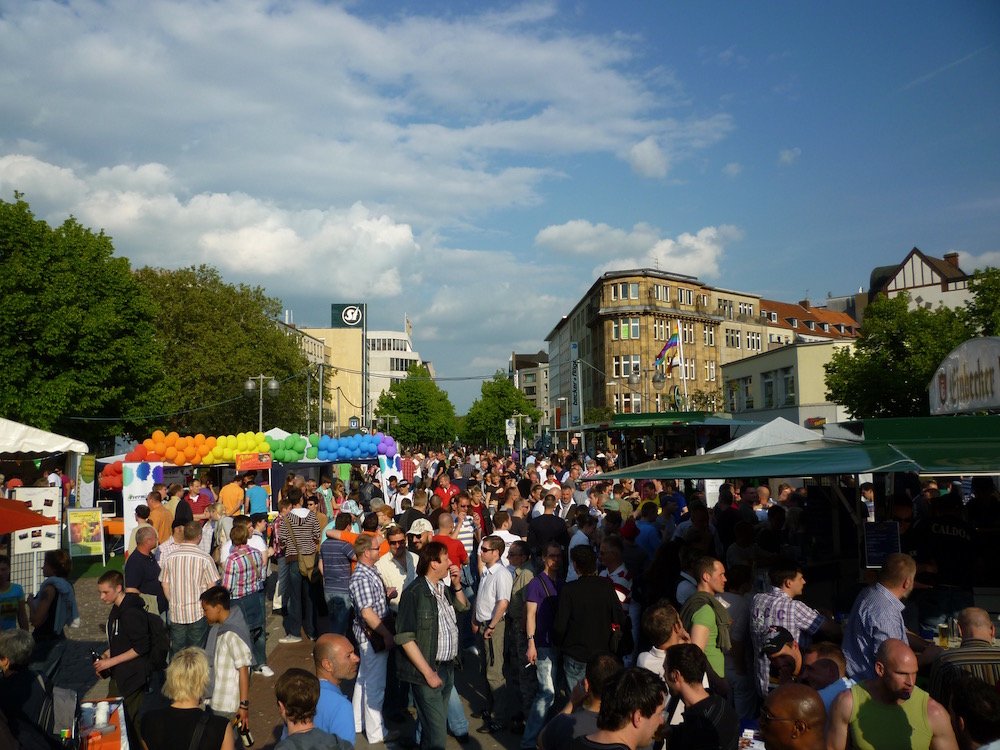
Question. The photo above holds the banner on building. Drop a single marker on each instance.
(969, 378)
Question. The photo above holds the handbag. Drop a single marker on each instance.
(307, 563)
(377, 641)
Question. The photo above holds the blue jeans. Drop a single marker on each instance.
(458, 722)
(253, 612)
(546, 671)
(433, 707)
(183, 635)
(291, 600)
(281, 585)
(574, 671)
(339, 608)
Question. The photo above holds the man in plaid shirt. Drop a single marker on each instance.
(185, 575)
(371, 605)
(243, 575)
(778, 608)
(228, 651)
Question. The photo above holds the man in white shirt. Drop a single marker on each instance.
(586, 530)
(501, 528)
(402, 493)
(495, 587)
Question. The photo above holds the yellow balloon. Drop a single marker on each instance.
(260, 437)
(231, 441)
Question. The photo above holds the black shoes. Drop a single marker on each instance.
(490, 727)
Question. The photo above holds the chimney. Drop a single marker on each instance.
(804, 303)
(951, 258)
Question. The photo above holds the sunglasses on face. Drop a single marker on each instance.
(766, 717)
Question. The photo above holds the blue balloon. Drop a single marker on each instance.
(321, 456)
(379, 437)
(356, 453)
(334, 444)
(343, 452)
(324, 443)
(353, 443)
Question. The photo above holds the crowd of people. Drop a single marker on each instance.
(603, 614)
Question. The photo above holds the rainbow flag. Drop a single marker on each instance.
(668, 347)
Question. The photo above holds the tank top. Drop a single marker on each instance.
(877, 726)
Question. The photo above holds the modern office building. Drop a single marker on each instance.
(530, 374)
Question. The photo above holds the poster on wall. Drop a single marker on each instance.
(137, 482)
(39, 539)
(86, 532)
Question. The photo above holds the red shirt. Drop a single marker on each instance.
(456, 550)
(446, 494)
(199, 503)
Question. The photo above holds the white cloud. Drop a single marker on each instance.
(239, 234)
(648, 159)
(643, 247)
(789, 155)
(732, 169)
(969, 262)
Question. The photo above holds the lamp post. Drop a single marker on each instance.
(256, 382)
(659, 380)
(388, 419)
(520, 443)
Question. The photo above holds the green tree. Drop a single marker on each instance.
(982, 312)
(214, 336)
(426, 414)
(596, 414)
(709, 399)
(76, 330)
(485, 423)
(893, 360)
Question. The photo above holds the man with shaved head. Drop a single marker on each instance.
(335, 662)
(976, 656)
(889, 711)
(792, 719)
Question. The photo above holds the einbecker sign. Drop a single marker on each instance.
(969, 378)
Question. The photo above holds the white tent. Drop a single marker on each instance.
(21, 438)
(778, 432)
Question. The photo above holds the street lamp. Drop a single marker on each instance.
(659, 380)
(388, 419)
(520, 442)
(250, 386)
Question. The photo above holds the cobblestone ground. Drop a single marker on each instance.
(77, 672)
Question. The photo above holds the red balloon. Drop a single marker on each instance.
(118, 482)
(153, 458)
(140, 452)
(118, 467)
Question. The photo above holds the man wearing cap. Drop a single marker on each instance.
(402, 492)
(784, 659)
(418, 535)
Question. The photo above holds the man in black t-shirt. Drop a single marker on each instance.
(631, 712)
(709, 722)
(142, 572)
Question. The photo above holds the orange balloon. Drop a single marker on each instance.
(211, 442)
(190, 452)
(181, 444)
(170, 454)
(199, 439)
(158, 436)
(180, 460)
(160, 448)
(203, 450)
(171, 438)
(148, 442)
(196, 460)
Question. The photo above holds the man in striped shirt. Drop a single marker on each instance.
(298, 534)
(976, 655)
(186, 574)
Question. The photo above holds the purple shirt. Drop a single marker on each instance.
(544, 592)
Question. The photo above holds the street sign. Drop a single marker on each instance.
(511, 428)
(574, 442)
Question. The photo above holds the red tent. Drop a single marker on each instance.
(16, 515)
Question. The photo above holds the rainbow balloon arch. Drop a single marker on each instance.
(200, 450)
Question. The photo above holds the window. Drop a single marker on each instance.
(627, 403)
(767, 381)
(746, 308)
(614, 292)
(529, 390)
(708, 335)
(634, 326)
(747, 386)
(688, 296)
(687, 333)
(666, 293)
(633, 290)
(615, 334)
(753, 341)
(704, 300)
(710, 370)
(661, 292)
(733, 338)
(622, 367)
(623, 290)
(529, 377)
(726, 307)
(811, 325)
(787, 386)
(688, 369)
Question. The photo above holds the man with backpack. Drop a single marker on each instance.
(127, 655)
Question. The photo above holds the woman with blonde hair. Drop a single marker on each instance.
(175, 726)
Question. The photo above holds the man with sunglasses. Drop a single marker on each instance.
(491, 604)
(793, 718)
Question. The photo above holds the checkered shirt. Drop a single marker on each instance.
(231, 653)
(243, 574)
(188, 573)
(447, 645)
(877, 616)
(367, 590)
(778, 609)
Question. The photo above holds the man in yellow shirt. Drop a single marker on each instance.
(233, 496)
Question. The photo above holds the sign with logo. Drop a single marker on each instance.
(347, 316)
(354, 423)
(253, 461)
(511, 429)
(969, 378)
(574, 409)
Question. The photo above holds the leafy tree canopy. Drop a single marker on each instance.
(894, 359)
(982, 312)
(76, 330)
(214, 336)
(485, 423)
(426, 414)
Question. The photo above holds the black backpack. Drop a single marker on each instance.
(159, 642)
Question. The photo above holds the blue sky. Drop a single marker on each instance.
(477, 165)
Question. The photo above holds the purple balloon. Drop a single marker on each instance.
(381, 449)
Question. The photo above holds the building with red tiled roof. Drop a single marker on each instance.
(798, 322)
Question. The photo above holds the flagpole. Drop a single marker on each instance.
(680, 349)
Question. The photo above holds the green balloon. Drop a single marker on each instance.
(312, 452)
(279, 455)
(314, 439)
(300, 445)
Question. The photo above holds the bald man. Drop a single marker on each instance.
(792, 719)
(889, 712)
(335, 662)
(976, 655)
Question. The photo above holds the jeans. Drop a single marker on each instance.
(292, 598)
(253, 612)
(183, 635)
(546, 670)
(281, 585)
(458, 722)
(339, 607)
(433, 708)
(574, 671)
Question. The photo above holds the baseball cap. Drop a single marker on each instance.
(420, 526)
(775, 639)
(611, 504)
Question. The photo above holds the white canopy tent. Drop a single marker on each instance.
(17, 438)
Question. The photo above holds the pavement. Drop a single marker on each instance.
(77, 672)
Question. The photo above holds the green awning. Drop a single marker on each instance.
(648, 420)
